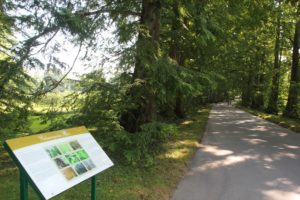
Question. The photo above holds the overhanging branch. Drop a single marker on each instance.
(97, 12)
(57, 83)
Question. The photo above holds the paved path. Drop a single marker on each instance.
(243, 158)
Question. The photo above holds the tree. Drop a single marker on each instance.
(291, 109)
(273, 99)
(176, 53)
(15, 84)
(147, 55)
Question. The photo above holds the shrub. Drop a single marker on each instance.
(148, 142)
(140, 148)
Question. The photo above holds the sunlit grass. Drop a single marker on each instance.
(292, 124)
(37, 124)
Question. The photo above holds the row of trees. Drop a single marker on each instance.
(172, 54)
(275, 34)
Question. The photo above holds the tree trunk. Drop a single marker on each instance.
(291, 106)
(247, 92)
(176, 54)
(259, 80)
(179, 109)
(141, 94)
(273, 98)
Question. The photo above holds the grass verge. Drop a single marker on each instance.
(292, 124)
(126, 182)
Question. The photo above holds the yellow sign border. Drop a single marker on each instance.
(21, 142)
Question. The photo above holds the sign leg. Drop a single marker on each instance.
(23, 185)
(93, 191)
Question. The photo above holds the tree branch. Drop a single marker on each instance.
(45, 44)
(31, 41)
(96, 12)
(57, 83)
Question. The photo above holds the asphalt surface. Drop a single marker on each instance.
(243, 157)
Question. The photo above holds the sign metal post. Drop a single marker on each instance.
(93, 191)
(23, 185)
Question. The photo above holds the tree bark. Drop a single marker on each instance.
(247, 92)
(176, 54)
(179, 109)
(291, 106)
(273, 98)
(257, 101)
(141, 94)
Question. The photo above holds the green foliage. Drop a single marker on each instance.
(139, 148)
(15, 83)
(99, 105)
(15, 99)
(142, 147)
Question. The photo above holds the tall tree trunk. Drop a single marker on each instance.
(141, 94)
(176, 54)
(258, 98)
(273, 98)
(291, 106)
(247, 93)
(259, 80)
(179, 103)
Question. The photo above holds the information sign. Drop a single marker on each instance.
(56, 161)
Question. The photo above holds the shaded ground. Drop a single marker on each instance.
(243, 157)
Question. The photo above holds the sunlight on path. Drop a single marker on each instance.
(243, 157)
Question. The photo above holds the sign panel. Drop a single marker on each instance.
(58, 160)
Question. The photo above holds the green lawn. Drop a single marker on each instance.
(292, 124)
(127, 182)
(36, 124)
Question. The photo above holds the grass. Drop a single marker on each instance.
(292, 124)
(36, 124)
(126, 182)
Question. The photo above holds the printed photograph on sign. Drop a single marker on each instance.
(61, 162)
(80, 168)
(75, 145)
(65, 148)
(82, 154)
(53, 151)
(69, 173)
(70, 158)
(89, 164)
